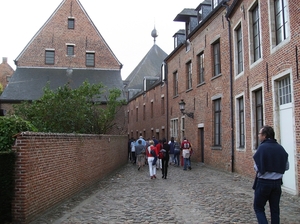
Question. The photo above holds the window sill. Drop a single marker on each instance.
(215, 77)
(216, 148)
(188, 90)
(201, 84)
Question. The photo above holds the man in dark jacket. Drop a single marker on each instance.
(165, 159)
(271, 161)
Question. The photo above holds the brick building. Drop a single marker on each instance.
(146, 94)
(236, 70)
(68, 48)
(6, 72)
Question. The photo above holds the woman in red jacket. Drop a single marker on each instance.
(151, 154)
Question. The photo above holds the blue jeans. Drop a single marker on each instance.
(267, 190)
(176, 157)
(186, 163)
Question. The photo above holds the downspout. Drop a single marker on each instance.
(231, 86)
(167, 96)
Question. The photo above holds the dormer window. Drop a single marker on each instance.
(71, 23)
(175, 41)
(200, 13)
(216, 3)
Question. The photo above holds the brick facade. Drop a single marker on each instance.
(55, 35)
(199, 98)
(147, 114)
(51, 168)
(264, 75)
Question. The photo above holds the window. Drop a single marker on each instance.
(189, 75)
(256, 45)
(49, 57)
(70, 50)
(162, 105)
(137, 114)
(174, 128)
(217, 122)
(258, 114)
(71, 23)
(284, 91)
(175, 41)
(144, 112)
(128, 117)
(216, 3)
(182, 128)
(201, 68)
(151, 109)
(175, 83)
(90, 59)
(241, 123)
(216, 58)
(281, 20)
(239, 50)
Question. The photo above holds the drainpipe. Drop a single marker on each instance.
(167, 97)
(231, 86)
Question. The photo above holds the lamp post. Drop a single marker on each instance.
(182, 108)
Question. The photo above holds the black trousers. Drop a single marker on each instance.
(165, 163)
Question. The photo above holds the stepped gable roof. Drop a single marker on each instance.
(150, 65)
(28, 83)
(185, 15)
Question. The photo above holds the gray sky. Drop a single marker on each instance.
(125, 25)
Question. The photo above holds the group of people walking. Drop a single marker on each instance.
(270, 163)
(159, 154)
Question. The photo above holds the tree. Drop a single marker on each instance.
(10, 126)
(67, 110)
(1, 88)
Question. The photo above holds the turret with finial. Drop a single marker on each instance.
(154, 34)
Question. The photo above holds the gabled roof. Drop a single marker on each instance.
(49, 20)
(149, 66)
(28, 83)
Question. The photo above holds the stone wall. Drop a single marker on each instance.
(51, 168)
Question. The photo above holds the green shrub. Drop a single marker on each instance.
(67, 110)
(10, 126)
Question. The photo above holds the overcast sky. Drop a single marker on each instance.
(125, 25)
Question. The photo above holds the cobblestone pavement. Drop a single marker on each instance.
(200, 195)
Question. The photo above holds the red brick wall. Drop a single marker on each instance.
(52, 167)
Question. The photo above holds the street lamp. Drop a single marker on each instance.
(182, 108)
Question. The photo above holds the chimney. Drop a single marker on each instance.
(4, 60)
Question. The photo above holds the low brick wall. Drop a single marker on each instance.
(52, 167)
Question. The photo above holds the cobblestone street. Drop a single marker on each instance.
(200, 195)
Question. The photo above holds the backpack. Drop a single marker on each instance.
(162, 154)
